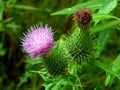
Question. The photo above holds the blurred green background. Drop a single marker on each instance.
(16, 16)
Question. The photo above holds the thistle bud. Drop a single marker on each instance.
(82, 17)
(57, 59)
(81, 45)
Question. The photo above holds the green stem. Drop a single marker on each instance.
(76, 67)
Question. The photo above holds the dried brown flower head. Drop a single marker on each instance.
(83, 17)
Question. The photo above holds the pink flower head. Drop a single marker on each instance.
(37, 41)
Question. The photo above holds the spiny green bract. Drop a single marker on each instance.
(81, 44)
(57, 59)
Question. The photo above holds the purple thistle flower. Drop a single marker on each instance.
(37, 41)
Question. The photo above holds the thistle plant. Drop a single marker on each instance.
(62, 59)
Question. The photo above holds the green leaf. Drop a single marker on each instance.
(107, 7)
(107, 68)
(92, 4)
(97, 17)
(8, 19)
(116, 64)
(25, 7)
(105, 26)
(102, 40)
(1, 9)
(108, 79)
